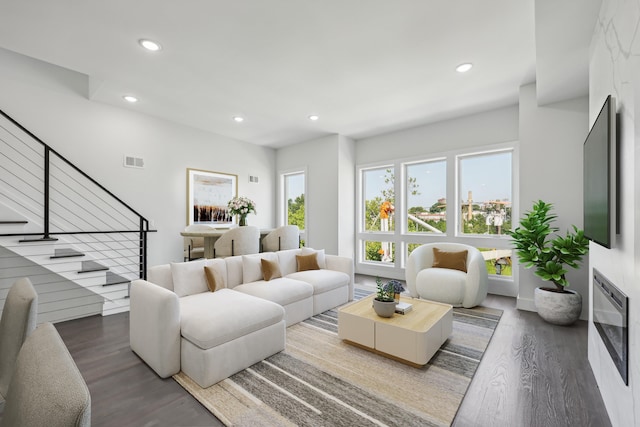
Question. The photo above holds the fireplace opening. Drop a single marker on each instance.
(610, 315)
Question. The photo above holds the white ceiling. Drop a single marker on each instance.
(365, 67)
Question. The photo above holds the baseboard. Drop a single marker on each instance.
(526, 304)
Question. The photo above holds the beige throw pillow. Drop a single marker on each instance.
(452, 260)
(307, 262)
(270, 269)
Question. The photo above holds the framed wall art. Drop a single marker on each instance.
(207, 196)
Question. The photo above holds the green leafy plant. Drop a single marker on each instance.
(386, 292)
(538, 246)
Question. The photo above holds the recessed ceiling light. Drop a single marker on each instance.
(314, 117)
(238, 119)
(149, 45)
(463, 68)
(130, 98)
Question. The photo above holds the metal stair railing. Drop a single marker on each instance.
(67, 205)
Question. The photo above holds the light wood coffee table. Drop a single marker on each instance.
(412, 338)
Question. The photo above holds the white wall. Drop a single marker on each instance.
(51, 102)
(329, 182)
(614, 69)
(551, 140)
(486, 128)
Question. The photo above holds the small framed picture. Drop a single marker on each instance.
(207, 196)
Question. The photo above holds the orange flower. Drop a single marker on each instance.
(385, 208)
(381, 251)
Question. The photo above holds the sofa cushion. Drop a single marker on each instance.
(270, 269)
(252, 266)
(282, 291)
(189, 278)
(287, 260)
(161, 275)
(213, 318)
(441, 284)
(322, 280)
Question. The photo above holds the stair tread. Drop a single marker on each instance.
(91, 266)
(40, 239)
(114, 279)
(65, 253)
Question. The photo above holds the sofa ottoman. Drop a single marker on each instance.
(240, 331)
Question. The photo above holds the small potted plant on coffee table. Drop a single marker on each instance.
(384, 303)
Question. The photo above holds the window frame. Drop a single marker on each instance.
(282, 198)
(401, 238)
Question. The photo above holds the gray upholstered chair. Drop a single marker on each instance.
(285, 237)
(47, 388)
(238, 241)
(449, 285)
(19, 318)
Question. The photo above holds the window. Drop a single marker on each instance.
(426, 189)
(485, 192)
(378, 210)
(379, 199)
(454, 196)
(294, 199)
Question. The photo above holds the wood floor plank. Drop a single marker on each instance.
(124, 390)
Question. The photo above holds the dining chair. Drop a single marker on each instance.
(238, 241)
(284, 237)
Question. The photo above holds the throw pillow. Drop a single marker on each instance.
(307, 262)
(320, 252)
(452, 260)
(270, 269)
(188, 277)
(214, 278)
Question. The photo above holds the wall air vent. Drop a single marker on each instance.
(133, 162)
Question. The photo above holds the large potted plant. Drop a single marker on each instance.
(537, 245)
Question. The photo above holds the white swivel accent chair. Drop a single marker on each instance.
(285, 237)
(450, 286)
(238, 241)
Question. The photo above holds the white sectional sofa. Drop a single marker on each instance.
(177, 323)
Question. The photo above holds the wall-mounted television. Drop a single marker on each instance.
(600, 177)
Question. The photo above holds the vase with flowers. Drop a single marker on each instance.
(241, 206)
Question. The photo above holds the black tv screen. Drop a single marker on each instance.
(600, 173)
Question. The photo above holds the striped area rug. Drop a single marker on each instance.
(321, 381)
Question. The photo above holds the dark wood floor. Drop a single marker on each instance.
(532, 374)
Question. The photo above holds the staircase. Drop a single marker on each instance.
(80, 244)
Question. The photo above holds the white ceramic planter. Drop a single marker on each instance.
(558, 308)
